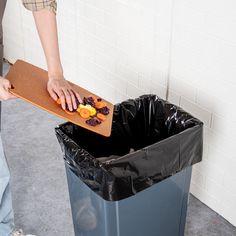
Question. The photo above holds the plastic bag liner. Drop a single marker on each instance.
(151, 140)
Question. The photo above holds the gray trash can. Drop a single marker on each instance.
(135, 182)
(157, 211)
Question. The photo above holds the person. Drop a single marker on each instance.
(44, 12)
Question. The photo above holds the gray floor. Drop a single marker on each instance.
(38, 182)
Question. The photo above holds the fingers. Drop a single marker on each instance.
(62, 89)
(62, 98)
(4, 90)
(8, 87)
(7, 84)
(52, 94)
(74, 103)
(5, 95)
(78, 97)
(68, 99)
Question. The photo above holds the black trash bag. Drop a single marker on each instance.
(151, 140)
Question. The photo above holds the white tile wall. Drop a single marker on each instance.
(123, 48)
(202, 78)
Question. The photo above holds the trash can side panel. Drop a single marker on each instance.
(92, 215)
(83, 213)
(157, 211)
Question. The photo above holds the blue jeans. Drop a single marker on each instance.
(6, 211)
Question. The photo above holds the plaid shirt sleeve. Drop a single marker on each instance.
(36, 5)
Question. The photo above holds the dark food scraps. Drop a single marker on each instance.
(93, 121)
(104, 110)
(89, 101)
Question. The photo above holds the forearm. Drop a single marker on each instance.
(47, 29)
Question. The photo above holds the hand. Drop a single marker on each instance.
(60, 88)
(5, 85)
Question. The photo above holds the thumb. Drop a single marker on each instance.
(7, 84)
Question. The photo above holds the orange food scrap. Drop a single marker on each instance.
(84, 113)
(58, 101)
(101, 117)
(100, 104)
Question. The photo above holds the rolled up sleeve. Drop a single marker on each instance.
(37, 5)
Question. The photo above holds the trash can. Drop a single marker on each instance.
(135, 182)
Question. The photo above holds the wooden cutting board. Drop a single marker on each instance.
(30, 84)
